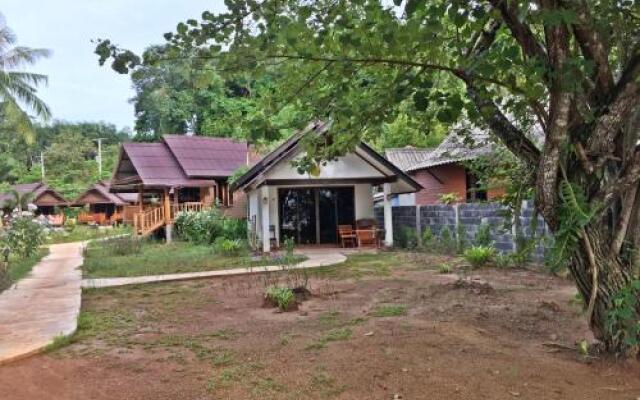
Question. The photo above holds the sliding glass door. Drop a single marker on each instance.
(312, 215)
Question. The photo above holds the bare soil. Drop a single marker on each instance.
(407, 333)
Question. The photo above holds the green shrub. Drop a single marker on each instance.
(504, 260)
(289, 246)
(205, 227)
(407, 238)
(623, 320)
(479, 256)
(282, 297)
(483, 236)
(23, 237)
(461, 238)
(228, 247)
(447, 243)
(427, 237)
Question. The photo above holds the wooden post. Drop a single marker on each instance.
(140, 189)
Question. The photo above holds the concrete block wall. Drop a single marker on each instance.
(468, 217)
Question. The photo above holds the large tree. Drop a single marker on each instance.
(569, 67)
(18, 88)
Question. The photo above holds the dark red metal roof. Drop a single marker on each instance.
(209, 157)
(156, 166)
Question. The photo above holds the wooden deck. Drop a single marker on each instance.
(156, 217)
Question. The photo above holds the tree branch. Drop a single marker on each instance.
(523, 34)
(592, 47)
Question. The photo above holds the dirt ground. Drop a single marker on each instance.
(401, 332)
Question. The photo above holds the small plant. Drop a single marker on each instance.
(449, 198)
(227, 247)
(447, 242)
(289, 246)
(391, 310)
(444, 268)
(461, 238)
(407, 238)
(623, 321)
(283, 298)
(427, 237)
(483, 235)
(503, 260)
(479, 256)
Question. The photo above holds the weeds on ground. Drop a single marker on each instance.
(333, 335)
(445, 268)
(390, 310)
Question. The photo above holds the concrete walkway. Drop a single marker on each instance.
(315, 258)
(43, 305)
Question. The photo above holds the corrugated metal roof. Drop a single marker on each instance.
(156, 166)
(406, 157)
(207, 156)
(456, 148)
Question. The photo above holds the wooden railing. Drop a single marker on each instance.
(153, 218)
(148, 221)
(187, 207)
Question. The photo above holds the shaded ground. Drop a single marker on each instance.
(371, 331)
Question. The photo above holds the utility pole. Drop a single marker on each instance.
(42, 165)
(99, 158)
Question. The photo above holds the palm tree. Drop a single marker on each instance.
(19, 200)
(18, 88)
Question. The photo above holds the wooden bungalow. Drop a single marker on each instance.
(101, 207)
(48, 201)
(180, 173)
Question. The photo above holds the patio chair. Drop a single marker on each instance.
(56, 220)
(367, 237)
(347, 235)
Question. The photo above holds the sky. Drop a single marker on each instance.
(79, 89)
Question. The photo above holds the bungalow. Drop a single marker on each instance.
(105, 208)
(441, 171)
(40, 194)
(176, 174)
(311, 209)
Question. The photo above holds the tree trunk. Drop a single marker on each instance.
(613, 274)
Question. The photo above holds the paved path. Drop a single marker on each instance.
(315, 258)
(43, 305)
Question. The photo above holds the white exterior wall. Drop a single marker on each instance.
(347, 167)
(363, 198)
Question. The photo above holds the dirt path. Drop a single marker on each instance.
(43, 305)
(406, 332)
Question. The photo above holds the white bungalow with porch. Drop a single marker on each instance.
(282, 203)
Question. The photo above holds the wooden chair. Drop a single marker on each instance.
(56, 220)
(347, 235)
(367, 237)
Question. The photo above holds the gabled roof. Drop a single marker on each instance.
(102, 195)
(152, 165)
(178, 161)
(291, 146)
(207, 156)
(39, 191)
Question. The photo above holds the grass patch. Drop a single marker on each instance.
(86, 232)
(21, 267)
(363, 265)
(390, 310)
(59, 342)
(158, 258)
(334, 335)
(323, 383)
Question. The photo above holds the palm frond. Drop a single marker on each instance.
(20, 56)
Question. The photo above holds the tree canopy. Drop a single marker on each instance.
(570, 69)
